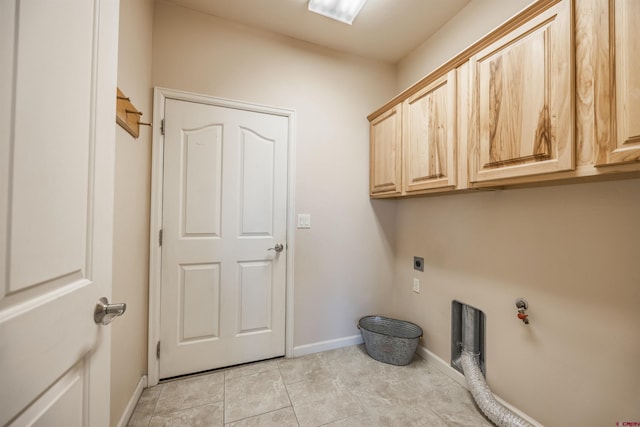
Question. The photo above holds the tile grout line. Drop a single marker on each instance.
(224, 399)
(155, 405)
(288, 395)
(187, 409)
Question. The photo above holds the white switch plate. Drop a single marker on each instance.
(416, 285)
(304, 220)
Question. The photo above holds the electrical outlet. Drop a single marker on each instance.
(416, 285)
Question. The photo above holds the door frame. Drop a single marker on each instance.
(160, 95)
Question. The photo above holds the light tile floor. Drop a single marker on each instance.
(338, 388)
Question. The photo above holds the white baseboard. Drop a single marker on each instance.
(446, 369)
(317, 347)
(133, 401)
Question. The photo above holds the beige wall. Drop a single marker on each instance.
(344, 263)
(571, 251)
(131, 218)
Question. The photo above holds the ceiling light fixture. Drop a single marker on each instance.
(340, 10)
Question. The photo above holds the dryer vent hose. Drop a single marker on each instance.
(494, 410)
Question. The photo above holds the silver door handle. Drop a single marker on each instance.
(277, 248)
(104, 312)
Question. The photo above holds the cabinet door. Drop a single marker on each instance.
(624, 146)
(430, 136)
(522, 108)
(386, 153)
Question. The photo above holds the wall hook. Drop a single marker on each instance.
(127, 115)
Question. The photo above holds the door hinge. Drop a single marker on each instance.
(160, 237)
(158, 350)
(162, 126)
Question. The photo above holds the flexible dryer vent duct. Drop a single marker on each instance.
(494, 410)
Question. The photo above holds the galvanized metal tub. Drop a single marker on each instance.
(389, 340)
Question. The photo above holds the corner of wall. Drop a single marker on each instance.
(474, 21)
(131, 212)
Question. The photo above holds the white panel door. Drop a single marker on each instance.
(224, 209)
(58, 63)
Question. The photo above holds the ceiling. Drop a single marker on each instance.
(385, 30)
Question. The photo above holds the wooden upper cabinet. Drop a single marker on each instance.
(385, 153)
(429, 136)
(521, 120)
(553, 94)
(624, 145)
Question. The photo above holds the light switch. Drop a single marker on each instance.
(304, 220)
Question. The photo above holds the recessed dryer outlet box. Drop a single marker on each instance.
(418, 263)
(467, 330)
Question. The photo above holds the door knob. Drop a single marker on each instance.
(104, 312)
(277, 248)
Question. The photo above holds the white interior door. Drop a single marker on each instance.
(224, 215)
(57, 102)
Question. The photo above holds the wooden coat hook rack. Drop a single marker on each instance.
(127, 115)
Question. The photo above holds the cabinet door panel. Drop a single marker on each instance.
(625, 146)
(386, 153)
(522, 111)
(429, 136)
